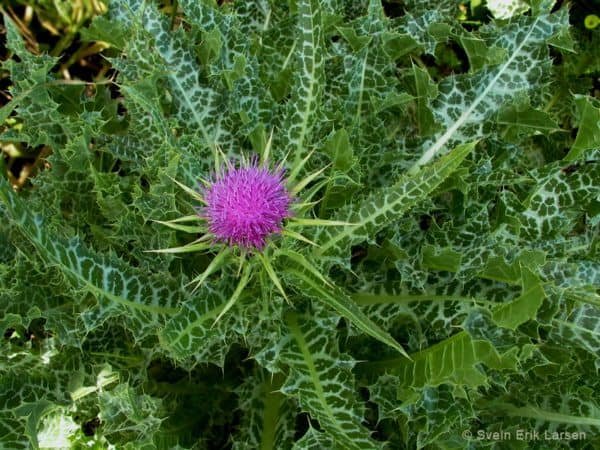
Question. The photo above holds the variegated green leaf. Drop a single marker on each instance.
(383, 207)
(343, 305)
(321, 380)
(142, 301)
(303, 108)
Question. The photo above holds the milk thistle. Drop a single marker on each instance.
(242, 210)
(245, 205)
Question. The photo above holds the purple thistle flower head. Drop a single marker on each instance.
(245, 205)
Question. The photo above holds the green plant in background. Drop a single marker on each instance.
(61, 18)
(49, 26)
(455, 155)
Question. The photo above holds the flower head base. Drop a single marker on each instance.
(245, 205)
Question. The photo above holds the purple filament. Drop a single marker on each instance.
(247, 204)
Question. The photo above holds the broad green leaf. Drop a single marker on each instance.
(196, 103)
(314, 440)
(464, 102)
(453, 360)
(303, 108)
(141, 300)
(430, 416)
(560, 197)
(128, 415)
(268, 417)
(478, 52)
(102, 29)
(30, 95)
(456, 358)
(339, 149)
(424, 91)
(343, 305)
(381, 208)
(521, 120)
(588, 135)
(441, 259)
(328, 398)
(579, 328)
(524, 308)
(192, 332)
(566, 416)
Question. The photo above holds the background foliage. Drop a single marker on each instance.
(465, 148)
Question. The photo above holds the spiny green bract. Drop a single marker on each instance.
(457, 159)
